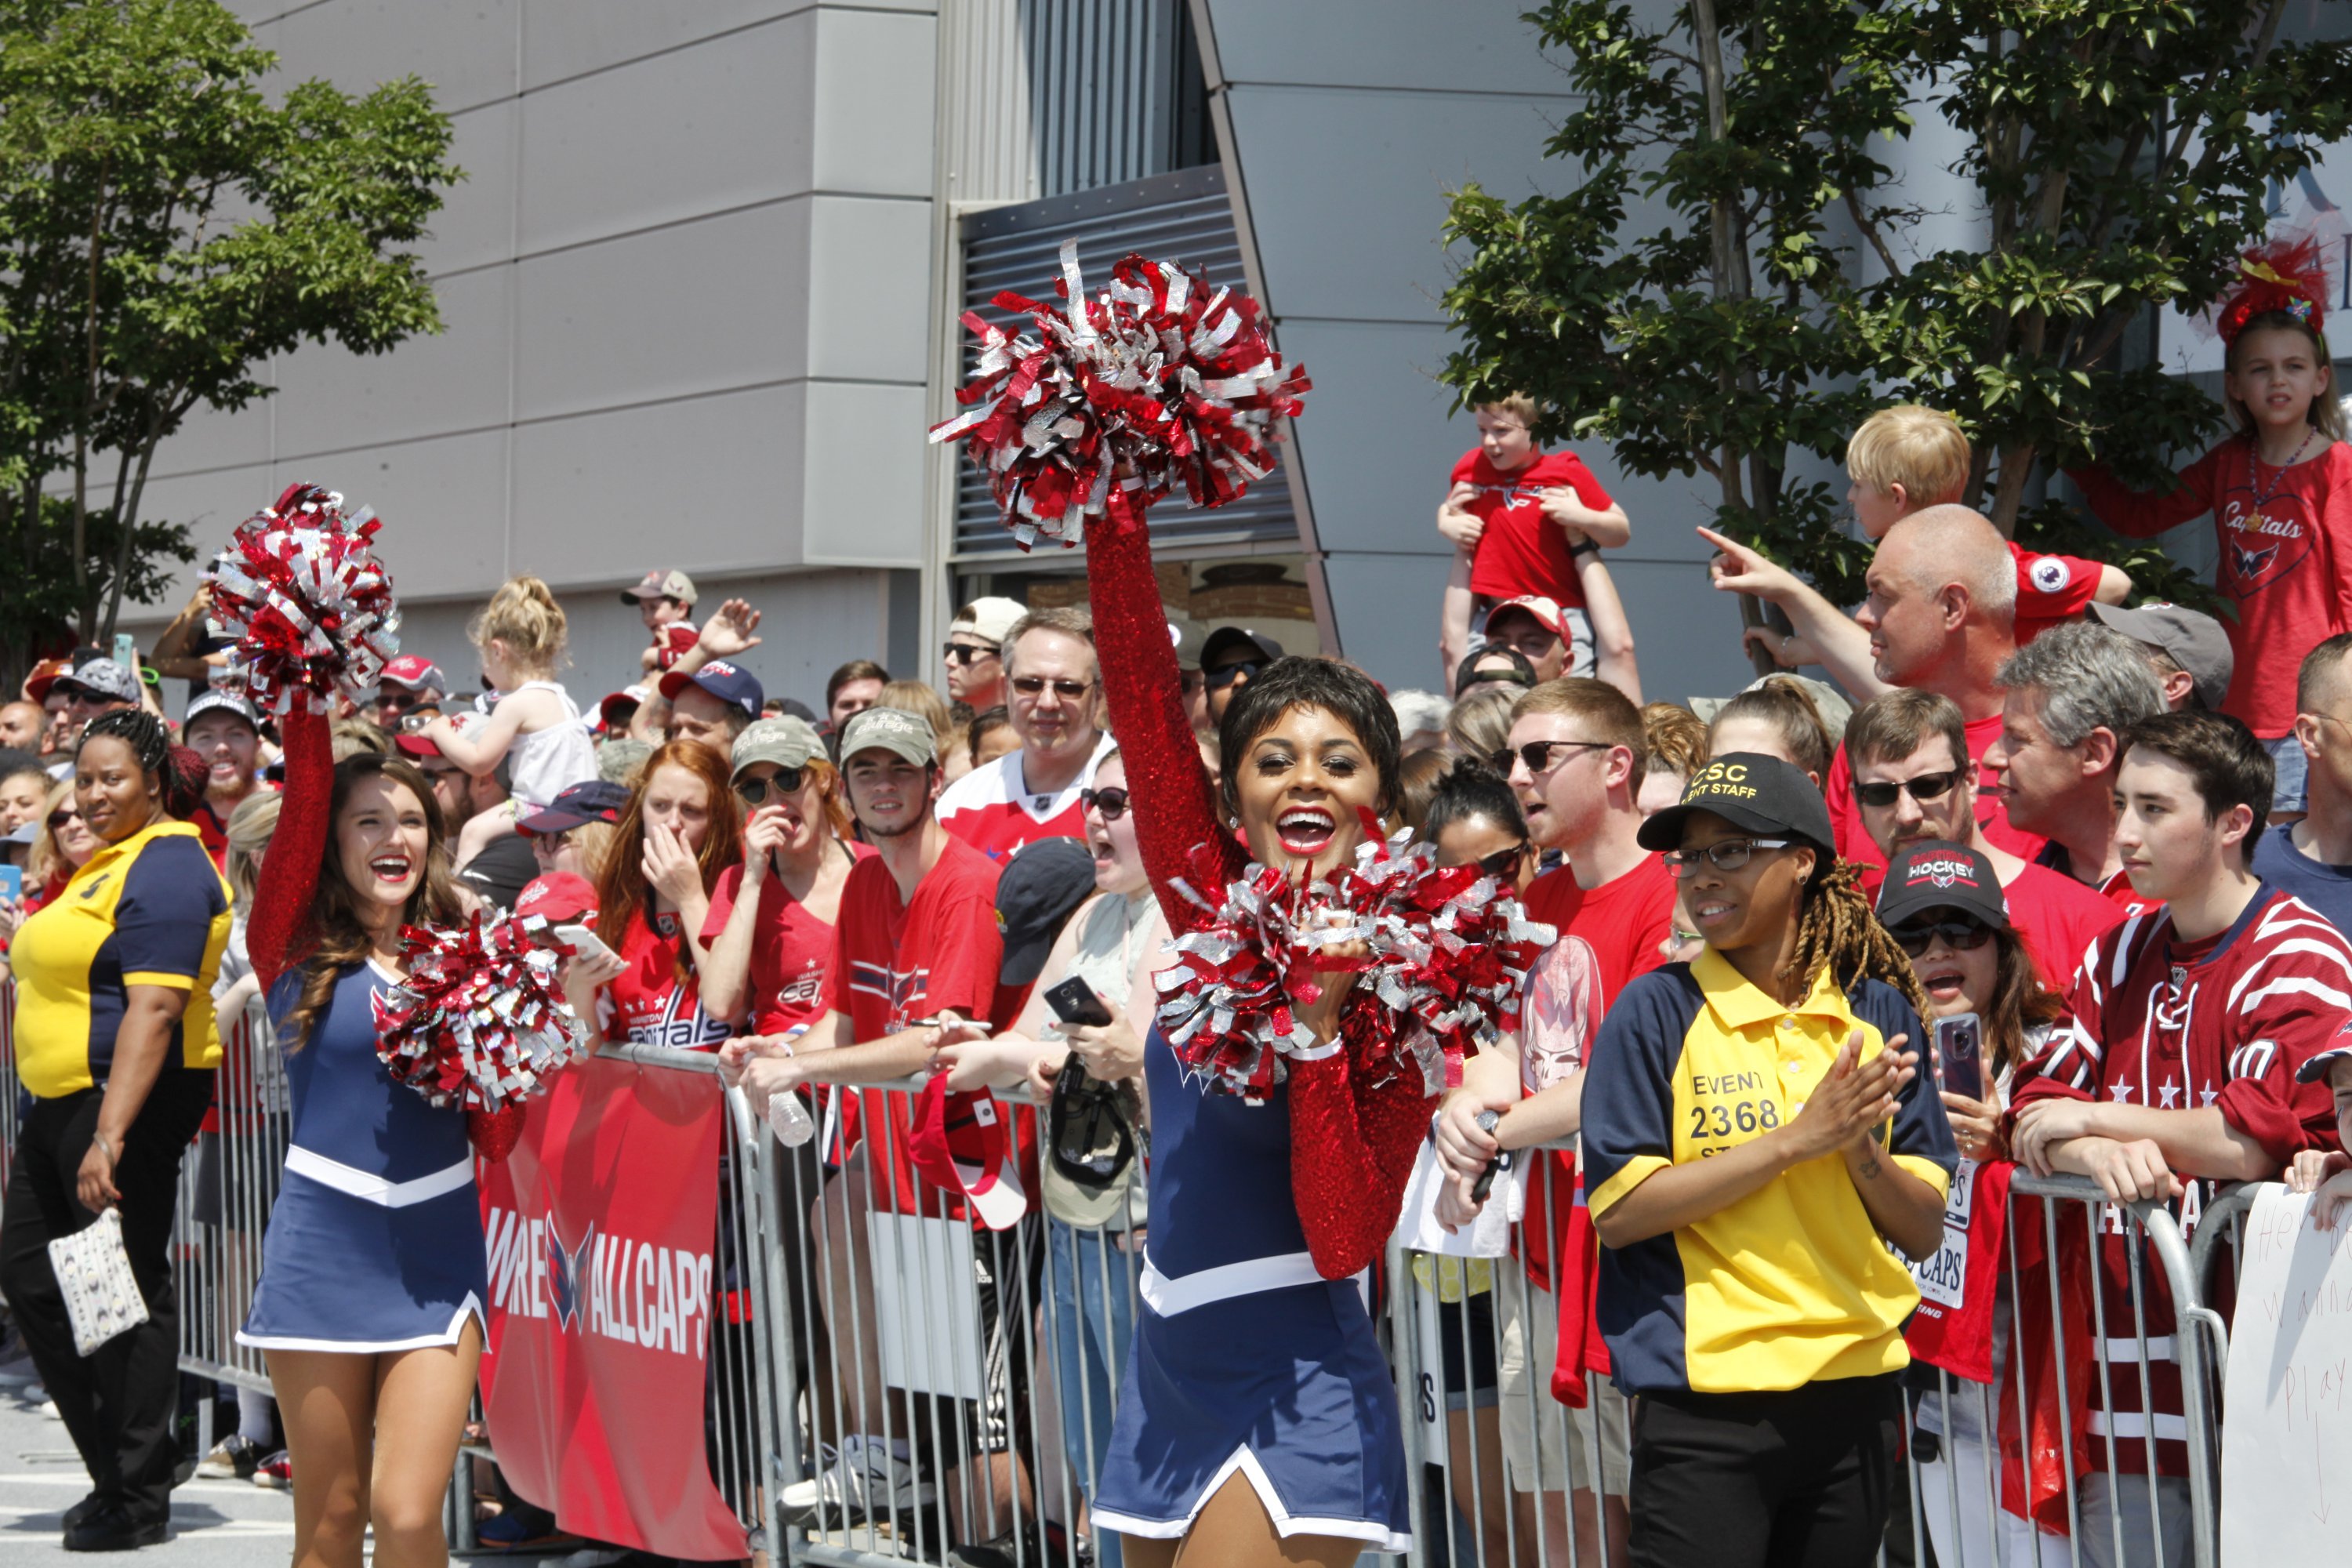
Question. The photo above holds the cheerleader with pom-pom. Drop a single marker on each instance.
(1291, 1081)
(370, 1303)
(2280, 491)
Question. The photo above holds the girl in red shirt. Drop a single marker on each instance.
(2280, 491)
(683, 827)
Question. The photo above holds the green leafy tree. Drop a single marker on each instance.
(1733, 282)
(165, 227)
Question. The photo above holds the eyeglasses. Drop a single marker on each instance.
(1960, 935)
(1727, 855)
(1537, 754)
(1111, 801)
(1927, 786)
(1504, 862)
(968, 653)
(755, 792)
(1224, 675)
(1067, 691)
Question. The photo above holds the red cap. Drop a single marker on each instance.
(417, 743)
(963, 1142)
(1545, 611)
(44, 674)
(558, 898)
(414, 671)
(635, 696)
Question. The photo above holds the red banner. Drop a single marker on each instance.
(601, 1239)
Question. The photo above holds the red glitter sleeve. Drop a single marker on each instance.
(279, 933)
(1351, 1151)
(1175, 802)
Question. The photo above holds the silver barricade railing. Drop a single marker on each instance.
(954, 1385)
(1494, 1491)
(226, 1193)
(11, 1092)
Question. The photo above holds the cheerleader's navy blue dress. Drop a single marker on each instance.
(1244, 1358)
(375, 1241)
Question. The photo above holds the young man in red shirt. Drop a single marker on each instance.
(1575, 764)
(1914, 784)
(2065, 703)
(2175, 1070)
(1520, 515)
(916, 951)
(1054, 685)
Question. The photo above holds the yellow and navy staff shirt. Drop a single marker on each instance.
(1792, 1284)
(149, 910)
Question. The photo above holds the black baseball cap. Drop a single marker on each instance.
(1036, 893)
(575, 806)
(1751, 791)
(1520, 670)
(1938, 875)
(1226, 639)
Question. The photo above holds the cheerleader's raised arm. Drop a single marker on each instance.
(280, 933)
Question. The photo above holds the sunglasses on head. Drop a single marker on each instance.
(1111, 801)
(1224, 675)
(1067, 691)
(968, 653)
(755, 792)
(1927, 786)
(1960, 934)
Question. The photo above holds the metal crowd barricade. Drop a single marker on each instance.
(226, 1188)
(1485, 1505)
(12, 1093)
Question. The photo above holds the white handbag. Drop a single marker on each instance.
(94, 1276)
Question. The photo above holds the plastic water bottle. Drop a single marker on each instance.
(788, 1118)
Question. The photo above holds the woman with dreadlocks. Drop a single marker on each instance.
(116, 1047)
(1755, 1135)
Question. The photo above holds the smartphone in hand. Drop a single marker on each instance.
(1074, 1002)
(1959, 1054)
(583, 942)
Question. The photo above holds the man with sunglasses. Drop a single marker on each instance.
(1230, 660)
(410, 684)
(1914, 783)
(1054, 685)
(975, 652)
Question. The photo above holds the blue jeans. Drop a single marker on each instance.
(1092, 1321)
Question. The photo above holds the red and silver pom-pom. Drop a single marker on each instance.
(1445, 953)
(310, 607)
(1157, 383)
(481, 1021)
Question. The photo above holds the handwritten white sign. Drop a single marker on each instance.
(2286, 1438)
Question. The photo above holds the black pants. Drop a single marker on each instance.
(118, 1402)
(1796, 1479)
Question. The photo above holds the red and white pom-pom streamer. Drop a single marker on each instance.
(1158, 382)
(481, 1021)
(310, 607)
(1445, 954)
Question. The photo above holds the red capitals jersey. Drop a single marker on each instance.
(2179, 1025)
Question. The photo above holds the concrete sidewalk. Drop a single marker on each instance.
(212, 1522)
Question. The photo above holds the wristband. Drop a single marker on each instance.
(99, 1139)
(1584, 547)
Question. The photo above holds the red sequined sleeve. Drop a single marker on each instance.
(279, 933)
(1351, 1151)
(1175, 802)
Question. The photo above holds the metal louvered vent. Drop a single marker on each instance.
(1182, 216)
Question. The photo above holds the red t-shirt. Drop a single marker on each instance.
(896, 965)
(1853, 841)
(2050, 589)
(1523, 551)
(1625, 922)
(2058, 919)
(2286, 560)
(991, 809)
(791, 950)
(658, 999)
(212, 831)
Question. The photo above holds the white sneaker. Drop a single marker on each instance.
(863, 1480)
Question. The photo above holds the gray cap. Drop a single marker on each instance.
(619, 760)
(890, 729)
(787, 742)
(2193, 641)
(103, 677)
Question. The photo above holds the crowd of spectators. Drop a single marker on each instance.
(906, 876)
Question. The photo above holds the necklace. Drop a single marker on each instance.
(2278, 477)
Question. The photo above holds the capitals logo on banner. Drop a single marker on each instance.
(602, 1280)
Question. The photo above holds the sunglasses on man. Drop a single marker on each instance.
(1927, 786)
(1537, 754)
(1224, 675)
(969, 653)
(1067, 691)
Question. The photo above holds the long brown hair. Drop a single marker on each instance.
(622, 894)
(2020, 1002)
(343, 937)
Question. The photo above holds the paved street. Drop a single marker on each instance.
(212, 1522)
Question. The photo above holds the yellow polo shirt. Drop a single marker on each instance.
(149, 910)
(1792, 1284)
